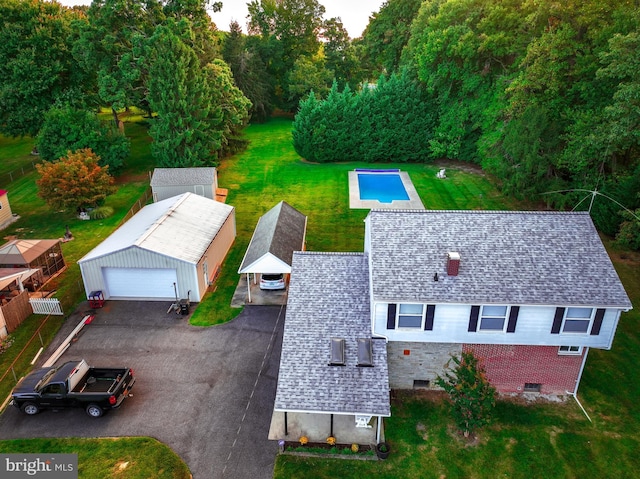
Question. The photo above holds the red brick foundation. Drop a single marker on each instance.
(510, 367)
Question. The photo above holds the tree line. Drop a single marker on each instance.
(543, 95)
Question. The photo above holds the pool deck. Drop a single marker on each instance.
(413, 203)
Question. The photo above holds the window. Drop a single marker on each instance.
(577, 320)
(493, 318)
(570, 350)
(532, 387)
(410, 316)
(421, 383)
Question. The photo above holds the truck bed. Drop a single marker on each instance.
(99, 381)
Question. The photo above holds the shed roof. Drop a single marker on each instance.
(507, 257)
(24, 251)
(315, 314)
(181, 227)
(183, 176)
(279, 232)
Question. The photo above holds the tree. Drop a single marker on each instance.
(105, 48)
(36, 67)
(387, 34)
(74, 181)
(249, 71)
(472, 395)
(199, 108)
(67, 129)
(288, 29)
(340, 54)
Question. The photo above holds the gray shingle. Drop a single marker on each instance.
(280, 231)
(183, 176)
(328, 298)
(506, 258)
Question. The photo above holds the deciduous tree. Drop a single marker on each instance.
(74, 181)
(67, 129)
(472, 396)
(36, 66)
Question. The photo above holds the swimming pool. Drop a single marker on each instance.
(382, 187)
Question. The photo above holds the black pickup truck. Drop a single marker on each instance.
(73, 384)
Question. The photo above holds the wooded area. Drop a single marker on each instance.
(543, 95)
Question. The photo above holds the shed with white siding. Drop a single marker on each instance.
(172, 248)
(169, 182)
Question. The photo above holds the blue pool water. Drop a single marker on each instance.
(382, 187)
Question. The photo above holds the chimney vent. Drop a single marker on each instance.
(453, 263)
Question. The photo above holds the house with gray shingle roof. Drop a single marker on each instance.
(279, 232)
(315, 396)
(528, 293)
(169, 182)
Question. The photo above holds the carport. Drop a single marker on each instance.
(279, 232)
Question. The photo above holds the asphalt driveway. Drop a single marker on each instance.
(206, 392)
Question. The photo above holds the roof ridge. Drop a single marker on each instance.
(481, 212)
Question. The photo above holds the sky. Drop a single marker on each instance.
(353, 13)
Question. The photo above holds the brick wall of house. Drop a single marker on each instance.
(510, 367)
(410, 361)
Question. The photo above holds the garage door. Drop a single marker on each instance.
(140, 283)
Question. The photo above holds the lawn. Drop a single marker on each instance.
(542, 440)
(131, 457)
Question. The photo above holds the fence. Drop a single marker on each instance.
(16, 311)
(46, 306)
(7, 178)
(142, 201)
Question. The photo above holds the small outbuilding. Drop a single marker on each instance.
(170, 249)
(6, 216)
(43, 254)
(169, 182)
(279, 232)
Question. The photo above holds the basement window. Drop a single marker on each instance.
(532, 387)
(570, 350)
(421, 383)
(365, 352)
(337, 352)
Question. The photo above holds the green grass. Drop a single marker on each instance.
(132, 457)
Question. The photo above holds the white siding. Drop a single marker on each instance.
(163, 192)
(451, 322)
(137, 258)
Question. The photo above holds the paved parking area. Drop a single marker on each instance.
(206, 392)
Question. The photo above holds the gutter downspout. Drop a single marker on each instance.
(249, 286)
(378, 429)
(575, 391)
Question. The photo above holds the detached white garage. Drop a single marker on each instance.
(172, 248)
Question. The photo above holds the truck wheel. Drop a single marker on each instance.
(30, 408)
(94, 410)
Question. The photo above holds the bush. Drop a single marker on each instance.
(5, 343)
(101, 212)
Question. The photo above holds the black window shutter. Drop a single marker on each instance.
(428, 324)
(391, 316)
(597, 322)
(473, 319)
(513, 319)
(557, 321)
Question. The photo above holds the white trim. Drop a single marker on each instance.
(590, 319)
(302, 411)
(568, 352)
(411, 328)
(504, 324)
